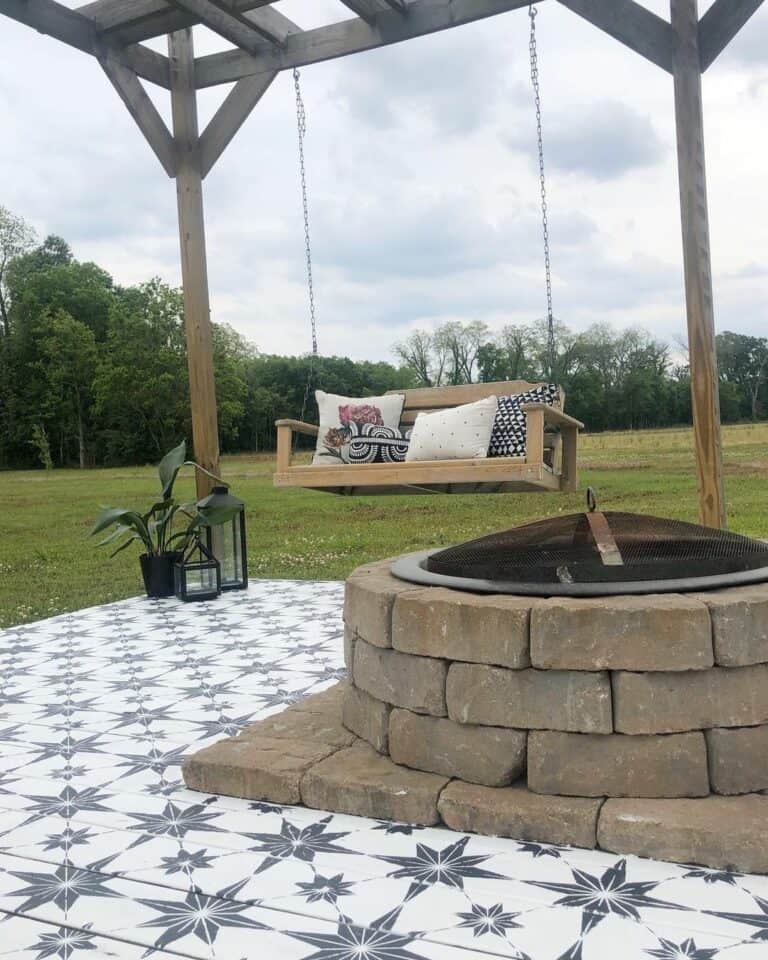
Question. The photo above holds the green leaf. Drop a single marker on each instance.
(127, 518)
(169, 466)
(122, 546)
(110, 515)
(157, 508)
(118, 532)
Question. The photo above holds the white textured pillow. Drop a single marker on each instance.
(339, 416)
(460, 433)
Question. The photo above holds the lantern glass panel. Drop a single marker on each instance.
(226, 546)
(200, 579)
(198, 576)
(226, 541)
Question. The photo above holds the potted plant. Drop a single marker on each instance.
(165, 530)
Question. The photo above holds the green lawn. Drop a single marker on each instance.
(47, 565)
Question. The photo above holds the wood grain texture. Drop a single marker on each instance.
(230, 116)
(534, 436)
(308, 429)
(549, 464)
(143, 111)
(697, 262)
(552, 416)
(194, 268)
(77, 31)
(367, 9)
(130, 21)
(568, 465)
(437, 398)
(631, 24)
(719, 26)
(435, 474)
(284, 444)
(247, 37)
(350, 36)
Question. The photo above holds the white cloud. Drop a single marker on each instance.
(423, 187)
(601, 140)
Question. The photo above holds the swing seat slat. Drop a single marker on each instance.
(549, 464)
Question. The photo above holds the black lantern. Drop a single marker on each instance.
(226, 541)
(197, 576)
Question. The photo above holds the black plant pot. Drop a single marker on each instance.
(157, 571)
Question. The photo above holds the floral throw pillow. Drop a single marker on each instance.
(341, 418)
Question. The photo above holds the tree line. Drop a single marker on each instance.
(94, 373)
(613, 379)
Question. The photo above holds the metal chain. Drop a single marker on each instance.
(534, 53)
(301, 125)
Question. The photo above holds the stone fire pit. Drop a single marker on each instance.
(635, 724)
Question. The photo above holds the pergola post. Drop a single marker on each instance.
(194, 267)
(697, 262)
(267, 42)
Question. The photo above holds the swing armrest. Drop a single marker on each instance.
(552, 416)
(297, 426)
(285, 431)
(538, 417)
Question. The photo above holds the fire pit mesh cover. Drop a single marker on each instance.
(568, 549)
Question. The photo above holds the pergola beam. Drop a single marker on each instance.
(230, 116)
(248, 37)
(143, 111)
(719, 26)
(77, 31)
(349, 36)
(633, 25)
(131, 21)
(684, 47)
(370, 9)
(271, 23)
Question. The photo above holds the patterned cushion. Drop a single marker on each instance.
(371, 443)
(508, 436)
(340, 416)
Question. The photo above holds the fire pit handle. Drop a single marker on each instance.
(591, 500)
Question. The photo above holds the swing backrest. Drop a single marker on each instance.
(430, 399)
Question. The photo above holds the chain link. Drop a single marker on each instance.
(301, 125)
(534, 54)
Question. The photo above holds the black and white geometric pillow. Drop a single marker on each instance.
(371, 443)
(508, 435)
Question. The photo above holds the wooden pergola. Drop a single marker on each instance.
(265, 42)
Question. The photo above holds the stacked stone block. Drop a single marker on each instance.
(622, 710)
(634, 724)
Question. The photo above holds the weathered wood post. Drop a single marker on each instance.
(697, 261)
(194, 268)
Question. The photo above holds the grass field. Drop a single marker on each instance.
(48, 566)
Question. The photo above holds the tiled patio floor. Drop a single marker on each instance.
(104, 853)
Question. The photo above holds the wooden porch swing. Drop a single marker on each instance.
(549, 463)
(264, 43)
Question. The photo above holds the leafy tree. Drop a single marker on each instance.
(743, 361)
(424, 356)
(16, 239)
(141, 387)
(68, 361)
(83, 290)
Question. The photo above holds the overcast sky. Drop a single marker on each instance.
(421, 167)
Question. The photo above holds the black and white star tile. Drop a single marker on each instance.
(104, 853)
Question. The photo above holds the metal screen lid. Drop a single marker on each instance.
(595, 553)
